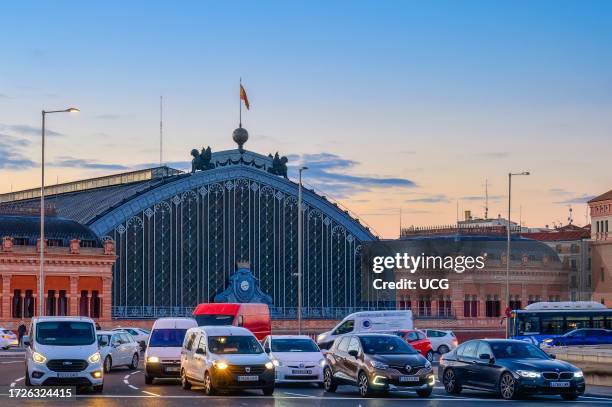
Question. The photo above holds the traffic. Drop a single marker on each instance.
(230, 347)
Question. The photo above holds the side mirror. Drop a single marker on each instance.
(200, 351)
(26, 340)
(267, 350)
(486, 356)
(353, 353)
(553, 356)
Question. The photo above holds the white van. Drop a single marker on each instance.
(163, 354)
(367, 321)
(63, 351)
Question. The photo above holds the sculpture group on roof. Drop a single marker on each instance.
(279, 165)
(201, 160)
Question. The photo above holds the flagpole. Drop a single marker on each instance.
(240, 102)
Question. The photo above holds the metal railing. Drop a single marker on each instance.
(278, 313)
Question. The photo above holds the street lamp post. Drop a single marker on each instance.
(300, 250)
(41, 272)
(510, 175)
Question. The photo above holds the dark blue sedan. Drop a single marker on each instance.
(583, 336)
(510, 368)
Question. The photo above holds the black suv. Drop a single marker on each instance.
(377, 363)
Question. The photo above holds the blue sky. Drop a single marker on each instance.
(418, 102)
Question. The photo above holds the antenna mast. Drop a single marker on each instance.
(161, 129)
(486, 199)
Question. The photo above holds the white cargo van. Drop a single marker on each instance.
(367, 321)
(163, 354)
(63, 351)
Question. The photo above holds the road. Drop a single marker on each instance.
(123, 387)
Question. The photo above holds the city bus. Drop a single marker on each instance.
(543, 320)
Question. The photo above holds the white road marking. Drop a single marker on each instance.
(126, 382)
(298, 394)
(13, 384)
(152, 394)
(14, 361)
(127, 376)
(132, 387)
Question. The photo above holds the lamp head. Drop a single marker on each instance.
(72, 110)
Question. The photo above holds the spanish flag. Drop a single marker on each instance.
(243, 96)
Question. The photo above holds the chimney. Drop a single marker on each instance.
(468, 215)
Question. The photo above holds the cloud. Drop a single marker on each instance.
(480, 198)
(331, 172)
(576, 199)
(27, 130)
(437, 198)
(10, 155)
(70, 162)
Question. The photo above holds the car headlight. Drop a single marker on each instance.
(528, 374)
(320, 337)
(547, 340)
(322, 362)
(95, 358)
(277, 362)
(578, 374)
(152, 359)
(221, 365)
(38, 358)
(269, 365)
(378, 365)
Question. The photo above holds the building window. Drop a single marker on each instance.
(425, 306)
(95, 304)
(573, 264)
(444, 306)
(54, 243)
(62, 304)
(493, 306)
(17, 304)
(83, 304)
(28, 304)
(574, 248)
(515, 302)
(51, 306)
(470, 306)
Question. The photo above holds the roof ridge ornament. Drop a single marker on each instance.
(279, 165)
(202, 160)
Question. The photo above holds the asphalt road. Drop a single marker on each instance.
(123, 387)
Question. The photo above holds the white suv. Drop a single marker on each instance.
(63, 351)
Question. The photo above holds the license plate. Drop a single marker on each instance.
(409, 379)
(172, 369)
(248, 378)
(559, 384)
(67, 374)
(301, 371)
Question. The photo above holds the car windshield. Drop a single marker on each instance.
(227, 345)
(208, 320)
(65, 333)
(386, 345)
(167, 338)
(516, 350)
(294, 345)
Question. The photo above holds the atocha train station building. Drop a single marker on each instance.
(180, 238)
(156, 242)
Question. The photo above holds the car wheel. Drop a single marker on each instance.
(507, 387)
(364, 385)
(430, 356)
(209, 390)
(424, 392)
(5, 347)
(27, 379)
(268, 391)
(149, 379)
(569, 396)
(442, 349)
(449, 380)
(329, 384)
(98, 388)
(134, 364)
(108, 364)
(185, 384)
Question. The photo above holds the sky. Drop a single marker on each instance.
(392, 104)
